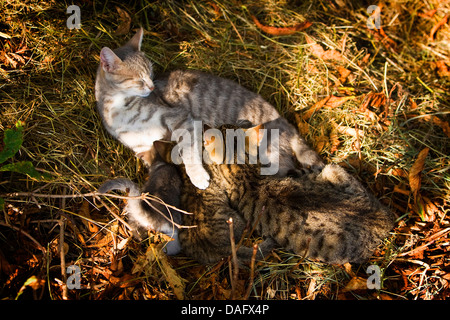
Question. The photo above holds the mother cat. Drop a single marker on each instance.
(137, 110)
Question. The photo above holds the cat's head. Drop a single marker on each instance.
(228, 144)
(127, 69)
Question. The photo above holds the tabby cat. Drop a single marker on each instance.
(138, 110)
(164, 182)
(326, 213)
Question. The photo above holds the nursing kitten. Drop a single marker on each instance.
(164, 182)
(326, 213)
(137, 110)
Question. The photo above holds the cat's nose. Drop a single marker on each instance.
(150, 85)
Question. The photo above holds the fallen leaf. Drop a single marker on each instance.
(343, 73)
(317, 50)
(416, 171)
(415, 180)
(356, 283)
(125, 22)
(442, 69)
(303, 126)
(437, 26)
(335, 142)
(335, 102)
(355, 133)
(364, 60)
(317, 106)
(32, 282)
(429, 14)
(145, 264)
(443, 124)
(275, 31)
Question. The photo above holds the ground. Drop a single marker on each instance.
(368, 87)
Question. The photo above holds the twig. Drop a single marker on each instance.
(167, 218)
(252, 272)
(40, 247)
(244, 234)
(63, 258)
(89, 194)
(114, 214)
(234, 274)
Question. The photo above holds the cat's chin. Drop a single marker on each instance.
(144, 95)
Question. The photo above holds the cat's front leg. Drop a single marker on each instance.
(198, 175)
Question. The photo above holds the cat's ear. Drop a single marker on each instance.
(164, 149)
(136, 41)
(254, 135)
(109, 60)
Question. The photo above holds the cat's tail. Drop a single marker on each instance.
(134, 207)
(121, 184)
(140, 217)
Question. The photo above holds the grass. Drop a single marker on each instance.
(48, 75)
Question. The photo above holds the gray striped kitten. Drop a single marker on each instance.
(137, 110)
(326, 213)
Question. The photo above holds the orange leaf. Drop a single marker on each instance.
(442, 69)
(443, 124)
(317, 50)
(437, 26)
(343, 73)
(335, 102)
(317, 106)
(428, 14)
(356, 283)
(416, 171)
(281, 31)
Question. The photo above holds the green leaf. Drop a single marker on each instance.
(2, 203)
(13, 141)
(25, 167)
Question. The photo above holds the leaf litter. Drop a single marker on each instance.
(368, 99)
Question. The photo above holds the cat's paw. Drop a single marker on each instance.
(334, 174)
(198, 176)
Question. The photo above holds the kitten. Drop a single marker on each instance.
(326, 213)
(137, 110)
(164, 182)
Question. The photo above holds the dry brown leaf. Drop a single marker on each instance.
(125, 22)
(415, 172)
(303, 126)
(318, 105)
(364, 60)
(356, 283)
(320, 143)
(275, 31)
(335, 142)
(355, 133)
(427, 15)
(145, 264)
(443, 124)
(84, 212)
(317, 50)
(442, 69)
(343, 73)
(437, 26)
(415, 180)
(335, 102)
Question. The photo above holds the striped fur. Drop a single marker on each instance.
(164, 183)
(137, 110)
(326, 213)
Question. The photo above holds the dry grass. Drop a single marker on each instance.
(48, 74)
